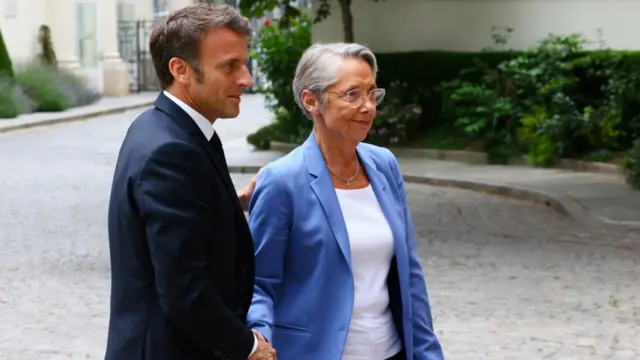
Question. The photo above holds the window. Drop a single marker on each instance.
(10, 8)
(86, 23)
(126, 10)
(159, 7)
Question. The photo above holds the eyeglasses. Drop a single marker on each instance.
(356, 97)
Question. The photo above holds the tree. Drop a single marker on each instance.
(258, 8)
(324, 10)
(6, 66)
(47, 54)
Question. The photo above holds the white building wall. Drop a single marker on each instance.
(20, 22)
(20, 28)
(465, 25)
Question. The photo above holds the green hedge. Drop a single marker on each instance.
(427, 70)
(553, 101)
(6, 67)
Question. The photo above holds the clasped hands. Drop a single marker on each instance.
(264, 351)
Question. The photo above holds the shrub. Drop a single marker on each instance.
(396, 115)
(13, 101)
(262, 138)
(75, 88)
(631, 166)
(6, 67)
(51, 89)
(47, 54)
(277, 55)
(280, 130)
(8, 107)
(40, 84)
(556, 100)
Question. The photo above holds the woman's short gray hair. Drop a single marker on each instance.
(319, 66)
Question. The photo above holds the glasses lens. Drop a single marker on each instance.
(377, 96)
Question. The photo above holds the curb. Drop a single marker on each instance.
(479, 158)
(562, 204)
(71, 118)
(510, 191)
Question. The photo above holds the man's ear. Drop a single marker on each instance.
(180, 70)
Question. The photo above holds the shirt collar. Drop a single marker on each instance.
(205, 126)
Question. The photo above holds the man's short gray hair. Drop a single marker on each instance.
(319, 66)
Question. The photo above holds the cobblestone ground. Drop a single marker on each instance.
(508, 280)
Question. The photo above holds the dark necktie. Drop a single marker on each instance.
(218, 149)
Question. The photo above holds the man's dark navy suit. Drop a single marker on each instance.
(181, 251)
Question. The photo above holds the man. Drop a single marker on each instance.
(181, 251)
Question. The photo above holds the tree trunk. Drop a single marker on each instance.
(347, 20)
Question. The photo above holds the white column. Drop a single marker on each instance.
(116, 76)
(63, 32)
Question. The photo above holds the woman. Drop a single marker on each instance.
(337, 270)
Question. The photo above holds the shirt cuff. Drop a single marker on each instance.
(255, 344)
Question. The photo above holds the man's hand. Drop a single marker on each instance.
(259, 336)
(264, 350)
(244, 194)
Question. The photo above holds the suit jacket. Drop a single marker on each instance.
(304, 291)
(182, 263)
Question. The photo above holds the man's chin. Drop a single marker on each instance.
(230, 114)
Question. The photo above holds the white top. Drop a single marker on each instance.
(372, 334)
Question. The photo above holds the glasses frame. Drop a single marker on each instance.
(359, 101)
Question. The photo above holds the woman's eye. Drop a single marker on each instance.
(352, 95)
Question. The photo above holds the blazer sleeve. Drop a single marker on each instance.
(169, 194)
(269, 220)
(426, 345)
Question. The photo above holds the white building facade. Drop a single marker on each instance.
(465, 25)
(84, 34)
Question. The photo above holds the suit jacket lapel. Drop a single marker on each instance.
(323, 188)
(185, 121)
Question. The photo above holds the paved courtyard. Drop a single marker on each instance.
(508, 280)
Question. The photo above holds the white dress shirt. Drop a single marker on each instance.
(207, 129)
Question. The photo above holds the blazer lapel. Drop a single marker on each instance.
(384, 196)
(323, 188)
(164, 104)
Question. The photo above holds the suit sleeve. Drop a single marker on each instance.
(170, 192)
(426, 345)
(269, 217)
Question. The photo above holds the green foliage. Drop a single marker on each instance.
(37, 87)
(47, 54)
(8, 108)
(396, 116)
(6, 67)
(601, 155)
(631, 166)
(260, 8)
(556, 100)
(277, 55)
(39, 83)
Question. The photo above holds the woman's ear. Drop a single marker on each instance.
(310, 101)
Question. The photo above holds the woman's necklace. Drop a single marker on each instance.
(349, 180)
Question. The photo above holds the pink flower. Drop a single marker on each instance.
(267, 22)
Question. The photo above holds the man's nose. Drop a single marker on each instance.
(246, 81)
